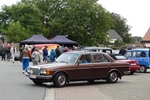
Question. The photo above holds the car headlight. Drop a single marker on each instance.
(45, 71)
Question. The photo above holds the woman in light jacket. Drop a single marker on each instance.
(36, 57)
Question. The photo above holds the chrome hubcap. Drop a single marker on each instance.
(61, 79)
(142, 69)
(113, 76)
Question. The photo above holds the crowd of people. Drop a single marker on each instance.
(39, 56)
(8, 52)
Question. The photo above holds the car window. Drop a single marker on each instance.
(86, 58)
(134, 54)
(143, 54)
(138, 54)
(67, 58)
(128, 54)
(100, 58)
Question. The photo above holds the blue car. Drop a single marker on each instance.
(142, 56)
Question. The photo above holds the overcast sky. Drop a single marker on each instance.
(137, 12)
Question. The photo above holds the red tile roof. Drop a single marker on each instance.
(146, 36)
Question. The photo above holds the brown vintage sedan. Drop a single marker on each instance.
(78, 66)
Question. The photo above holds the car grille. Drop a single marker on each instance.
(36, 71)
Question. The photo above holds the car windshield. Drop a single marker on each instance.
(119, 57)
(69, 58)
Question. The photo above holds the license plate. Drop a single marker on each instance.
(32, 76)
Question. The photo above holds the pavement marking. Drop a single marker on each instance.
(49, 94)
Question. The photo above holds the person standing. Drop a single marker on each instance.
(21, 49)
(25, 56)
(41, 55)
(3, 53)
(33, 49)
(45, 53)
(12, 51)
(35, 56)
(58, 52)
(8, 53)
(52, 55)
(122, 51)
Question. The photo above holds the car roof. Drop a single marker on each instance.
(102, 48)
(86, 52)
(139, 49)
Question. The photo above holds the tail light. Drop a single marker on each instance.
(134, 64)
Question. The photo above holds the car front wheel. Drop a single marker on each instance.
(60, 80)
(112, 77)
(143, 69)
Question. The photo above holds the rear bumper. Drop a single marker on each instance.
(134, 68)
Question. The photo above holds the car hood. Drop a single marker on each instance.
(51, 65)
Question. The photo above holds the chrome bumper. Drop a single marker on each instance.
(49, 77)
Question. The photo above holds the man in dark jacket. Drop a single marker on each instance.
(122, 51)
(4, 50)
(58, 52)
(45, 54)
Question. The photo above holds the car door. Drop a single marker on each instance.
(85, 70)
(101, 65)
(136, 55)
(143, 59)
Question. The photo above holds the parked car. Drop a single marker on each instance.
(115, 51)
(70, 67)
(133, 64)
(142, 56)
(98, 49)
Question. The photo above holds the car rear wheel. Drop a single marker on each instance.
(60, 80)
(112, 77)
(38, 83)
(143, 69)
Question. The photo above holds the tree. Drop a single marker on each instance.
(84, 21)
(121, 27)
(15, 32)
(27, 17)
(81, 20)
(119, 43)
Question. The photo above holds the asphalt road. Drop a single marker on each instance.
(16, 86)
(130, 87)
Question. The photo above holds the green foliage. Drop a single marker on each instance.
(121, 27)
(84, 21)
(26, 17)
(15, 32)
(119, 43)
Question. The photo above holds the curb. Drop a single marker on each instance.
(49, 94)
